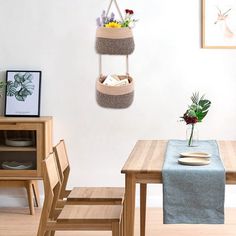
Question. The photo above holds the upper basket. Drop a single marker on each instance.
(114, 41)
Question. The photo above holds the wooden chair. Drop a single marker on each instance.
(73, 217)
(84, 195)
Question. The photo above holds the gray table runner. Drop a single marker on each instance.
(193, 194)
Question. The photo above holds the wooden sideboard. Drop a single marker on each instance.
(39, 133)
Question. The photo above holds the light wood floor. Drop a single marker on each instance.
(18, 222)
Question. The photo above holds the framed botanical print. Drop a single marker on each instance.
(22, 93)
(219, 23)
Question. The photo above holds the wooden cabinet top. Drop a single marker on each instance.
(25, 119)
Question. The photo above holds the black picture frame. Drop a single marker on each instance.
(23, 93)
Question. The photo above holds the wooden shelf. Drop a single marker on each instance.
(11, 178)
(14, 173)
(4, 148)
(40, 130)
(37, 128)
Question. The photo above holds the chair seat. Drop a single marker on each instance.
(90, 214)
(96, 195)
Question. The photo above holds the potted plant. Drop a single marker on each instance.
(2, 86)
(194, 114)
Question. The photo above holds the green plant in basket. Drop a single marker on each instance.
(111, 22)
(2, 85)
(196, 112)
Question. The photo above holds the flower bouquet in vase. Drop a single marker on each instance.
(194, 114)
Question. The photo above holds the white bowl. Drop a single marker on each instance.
(14, 165)
(19, 142)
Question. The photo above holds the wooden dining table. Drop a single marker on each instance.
(144, 166)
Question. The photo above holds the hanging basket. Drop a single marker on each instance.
(114, 96)
(114, 41)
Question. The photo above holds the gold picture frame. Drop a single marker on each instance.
(219, 24)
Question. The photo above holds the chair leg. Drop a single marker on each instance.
(41, 229)
(115, 229)
(121, 227)
(40, 232)
(47, 233)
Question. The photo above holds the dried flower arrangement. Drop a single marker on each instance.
(111, 22)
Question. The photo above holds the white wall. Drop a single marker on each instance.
(57, 37)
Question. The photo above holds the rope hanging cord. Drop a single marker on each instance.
(117, 7)
(100, 65)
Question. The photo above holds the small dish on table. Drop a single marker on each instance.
(194, 161)
(195, 154)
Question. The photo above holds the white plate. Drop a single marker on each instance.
(14, 165)
(194, 161)
(19, 142)
(195, 154)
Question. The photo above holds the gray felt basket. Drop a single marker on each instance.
(114, 41)
(114, 96)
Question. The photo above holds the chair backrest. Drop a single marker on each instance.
(63, 165)
(52, 182)
(52, 188)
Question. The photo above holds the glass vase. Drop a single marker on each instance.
(192, 135)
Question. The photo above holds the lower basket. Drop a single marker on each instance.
(114, 96)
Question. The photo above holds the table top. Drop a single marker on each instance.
(148, 156)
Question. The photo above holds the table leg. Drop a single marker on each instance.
(129, 204)
(143, 197)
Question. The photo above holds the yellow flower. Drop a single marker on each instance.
(113, 25)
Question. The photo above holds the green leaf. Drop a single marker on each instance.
(18, 77)
(11, 90)
(191, 113)
(16, 84)
(20, 97)
(2, 84)
(195, 98)
(205, 104)
(28, 76)
(26, 92)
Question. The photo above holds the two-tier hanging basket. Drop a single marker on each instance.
(114, 41)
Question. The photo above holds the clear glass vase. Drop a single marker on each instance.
(192, 135)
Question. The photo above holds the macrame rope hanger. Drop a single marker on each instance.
(117, 7)
(100, 65)
(114, 42)
(100, 56)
